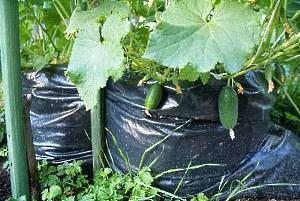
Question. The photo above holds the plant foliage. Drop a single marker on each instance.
(181, 40)
(67, 182)
(175, 41)
(106, 53)
(42, 26)
(198, 34)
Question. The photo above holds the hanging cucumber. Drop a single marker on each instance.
(153, 98)
(228, 109)
(269, 77)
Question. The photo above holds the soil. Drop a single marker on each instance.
(4, 182)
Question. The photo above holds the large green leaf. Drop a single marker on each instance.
(187, 35)
(93, 62)
(82, 19)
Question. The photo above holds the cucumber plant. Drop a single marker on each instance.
(181, 40)
(42, 25)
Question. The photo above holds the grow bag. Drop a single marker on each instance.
(60, 124)
(190, 120)
(60, 127)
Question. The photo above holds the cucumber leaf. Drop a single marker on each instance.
(194, 33)
(189, 73)
(82, 19)
(93, 62)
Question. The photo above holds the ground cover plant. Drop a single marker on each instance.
(68, 182)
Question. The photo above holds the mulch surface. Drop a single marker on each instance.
(4, 182)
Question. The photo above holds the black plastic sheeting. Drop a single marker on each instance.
(61, 128)
(59, 121)
(272, 154)
(276, 162)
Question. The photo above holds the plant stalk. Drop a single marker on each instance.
(268, 32)
(281, 50)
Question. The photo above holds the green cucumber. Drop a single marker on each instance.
(153, 98)
(228, 108)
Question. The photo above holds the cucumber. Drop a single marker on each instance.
(153, 98)
(228, 108)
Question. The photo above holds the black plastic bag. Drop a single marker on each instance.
(276, 162)
(59, 121)
(201, 139)
(61, 128)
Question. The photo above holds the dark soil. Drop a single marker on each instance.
(4, 182)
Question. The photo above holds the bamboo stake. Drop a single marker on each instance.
(14, 109)
(98, 132)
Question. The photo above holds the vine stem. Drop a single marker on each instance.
(289, 45)
(296, 15)
(288, 96)
(267, 33)
(254, 67)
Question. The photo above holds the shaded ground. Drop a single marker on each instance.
(4, 182)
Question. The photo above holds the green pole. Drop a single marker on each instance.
(14, 106)
(98, 132)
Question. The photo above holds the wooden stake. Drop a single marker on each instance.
(98, 132)
(14, 109)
